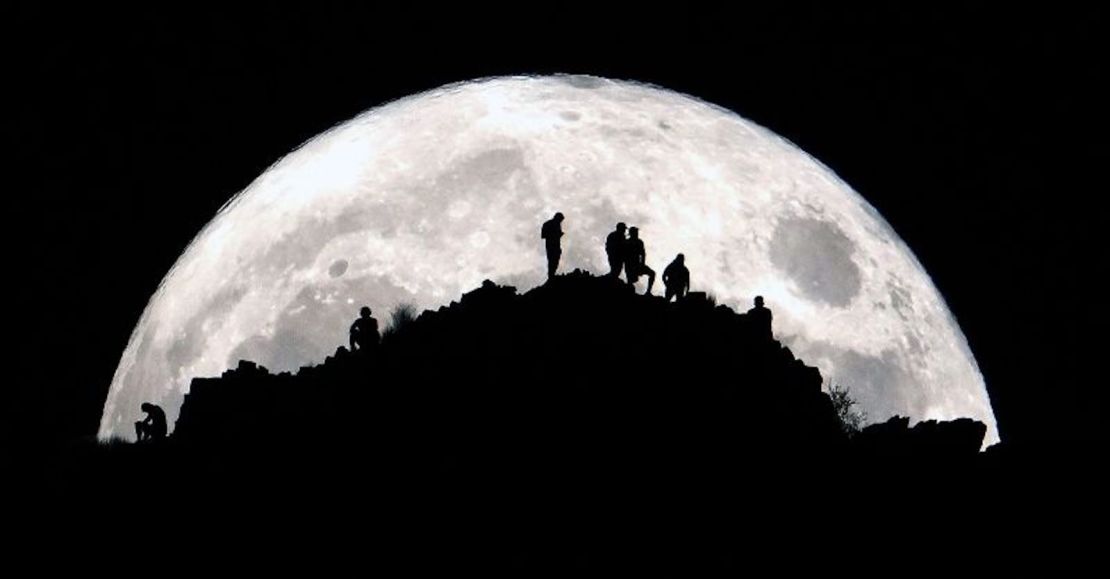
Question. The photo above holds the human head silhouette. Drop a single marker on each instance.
(146, 406)
(633, 232)
(364, 312)
(759, 301)
(558, 216)
(681, 259)
(621, 227)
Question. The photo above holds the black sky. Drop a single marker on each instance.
(972, 131)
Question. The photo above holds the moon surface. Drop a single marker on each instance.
(419, 200)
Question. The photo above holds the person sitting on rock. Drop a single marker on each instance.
(676, 279)
(364, 332)
(153, 427)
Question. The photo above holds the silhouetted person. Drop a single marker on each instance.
(552, 232)
(635, 263)
(153, 427)
(676, 278)
(616, 245)
(761, 317)
(364, 332)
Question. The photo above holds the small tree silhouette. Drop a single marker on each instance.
(851, 419)
(403, 315)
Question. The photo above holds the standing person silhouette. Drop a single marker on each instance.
(635, 263)
(364, 332)
(552, 233)
(676, 278)
(615, 246)
(761, 317)
(153, 427)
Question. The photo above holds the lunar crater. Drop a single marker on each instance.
(817, 256)
(491, 166)
(582, 81)
(338, 268)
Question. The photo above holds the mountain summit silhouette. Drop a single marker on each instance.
(498, 369)
(574, 365)
(531, 416)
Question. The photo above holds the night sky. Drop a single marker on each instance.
(973, 133)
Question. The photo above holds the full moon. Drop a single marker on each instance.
(421, 199)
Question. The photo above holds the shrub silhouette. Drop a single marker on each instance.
(852, 420)
(518, 420)
(402, 315)
(501, 377)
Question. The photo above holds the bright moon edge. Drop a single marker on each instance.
(844, 219)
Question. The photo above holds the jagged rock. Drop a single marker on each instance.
(579, 350)
(961, 437)
(542, 412)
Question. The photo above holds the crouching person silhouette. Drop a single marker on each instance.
(153, 427)
(364, 332)
(676, 279)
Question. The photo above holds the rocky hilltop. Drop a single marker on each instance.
(506, 422)
(580, 372)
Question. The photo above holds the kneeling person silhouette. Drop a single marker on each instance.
(153, 427)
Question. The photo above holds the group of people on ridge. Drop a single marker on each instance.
(628, 253)
(624, 253)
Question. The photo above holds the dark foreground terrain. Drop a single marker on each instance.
(575, 426)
